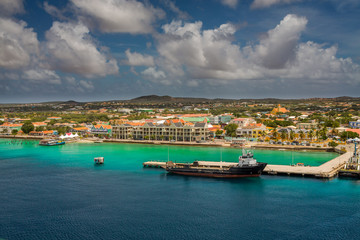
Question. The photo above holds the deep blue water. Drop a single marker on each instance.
(52, 196)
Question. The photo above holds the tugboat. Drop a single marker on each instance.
(246, 167)
(51, 142)
(99, 160)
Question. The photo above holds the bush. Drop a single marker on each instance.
(332, 144)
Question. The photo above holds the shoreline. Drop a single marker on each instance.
(192, 144)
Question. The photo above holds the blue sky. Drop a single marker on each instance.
(88, 50)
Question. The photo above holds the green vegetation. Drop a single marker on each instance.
(27, 127)
(231, 129)
(347, 135)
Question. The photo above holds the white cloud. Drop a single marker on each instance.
(72, 50)
(41, 75)
(137, 59)
(171, 5)
(278, 48)
(118, 16)
(74, 85)
(189, 52)
(10, 7)
(268, 3)
(230, 3)
(17, 44)
(153, 73)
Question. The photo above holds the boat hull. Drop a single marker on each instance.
(232, 172)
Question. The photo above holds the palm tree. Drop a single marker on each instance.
(275, 133)
(283, 135)
(317, 134)
(292, 135)
(311, 134)
(301, 135)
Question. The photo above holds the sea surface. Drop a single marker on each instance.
(58, 193)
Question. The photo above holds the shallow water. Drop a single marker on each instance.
(57, 193)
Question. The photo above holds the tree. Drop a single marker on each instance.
(346, 135)
(292, 135)
(14, 132)
(332, 144)
(39, 129)
(27, 127)
(283, 135)
(146, 137)
(219, 132)
(301, 135)
(231, 129)
(311, 134)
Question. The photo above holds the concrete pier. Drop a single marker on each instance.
(327, 170)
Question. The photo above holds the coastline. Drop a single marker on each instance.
(192, 144)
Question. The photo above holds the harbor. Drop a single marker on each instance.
(121, 192)
(329, 169)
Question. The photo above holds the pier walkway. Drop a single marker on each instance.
(326, 170)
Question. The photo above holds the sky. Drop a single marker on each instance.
(91, 50)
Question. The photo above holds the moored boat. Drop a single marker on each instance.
(51, 142)
(246, 167)
(99, 160)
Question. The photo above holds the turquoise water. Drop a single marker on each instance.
(58, 193)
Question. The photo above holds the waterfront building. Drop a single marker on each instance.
(170, 130)
(101, 129)
(253, 130)
(8, 127)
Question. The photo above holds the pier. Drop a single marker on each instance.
(329, 169)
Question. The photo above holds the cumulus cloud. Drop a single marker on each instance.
(137, 59)
(10, 7)
(41, 75)
(153, 73)
(17, 44)
(82, 86)
(188, 51)
(268, 3)
(230, 3)
(117, 16)
(72, 50)
(279, 47)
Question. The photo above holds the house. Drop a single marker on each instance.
(253, 130)
(242, 122)
(354, 124)
(6, 128)
(101, 129)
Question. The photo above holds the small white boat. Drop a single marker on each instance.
(99, 160)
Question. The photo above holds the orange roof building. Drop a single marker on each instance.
(279, 110)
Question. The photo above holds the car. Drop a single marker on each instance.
(279, 142)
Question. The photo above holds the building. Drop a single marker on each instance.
(6, 128)
(54, 118)
(279, 110)
(254, 130)
(101, 129)
(310, 125)
(177, 131)
(354, 124)
(242, 122)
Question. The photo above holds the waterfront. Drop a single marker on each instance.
(57, 193)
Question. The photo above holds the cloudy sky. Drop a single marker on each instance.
(89, 50)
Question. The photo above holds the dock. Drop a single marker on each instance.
(329, 169)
